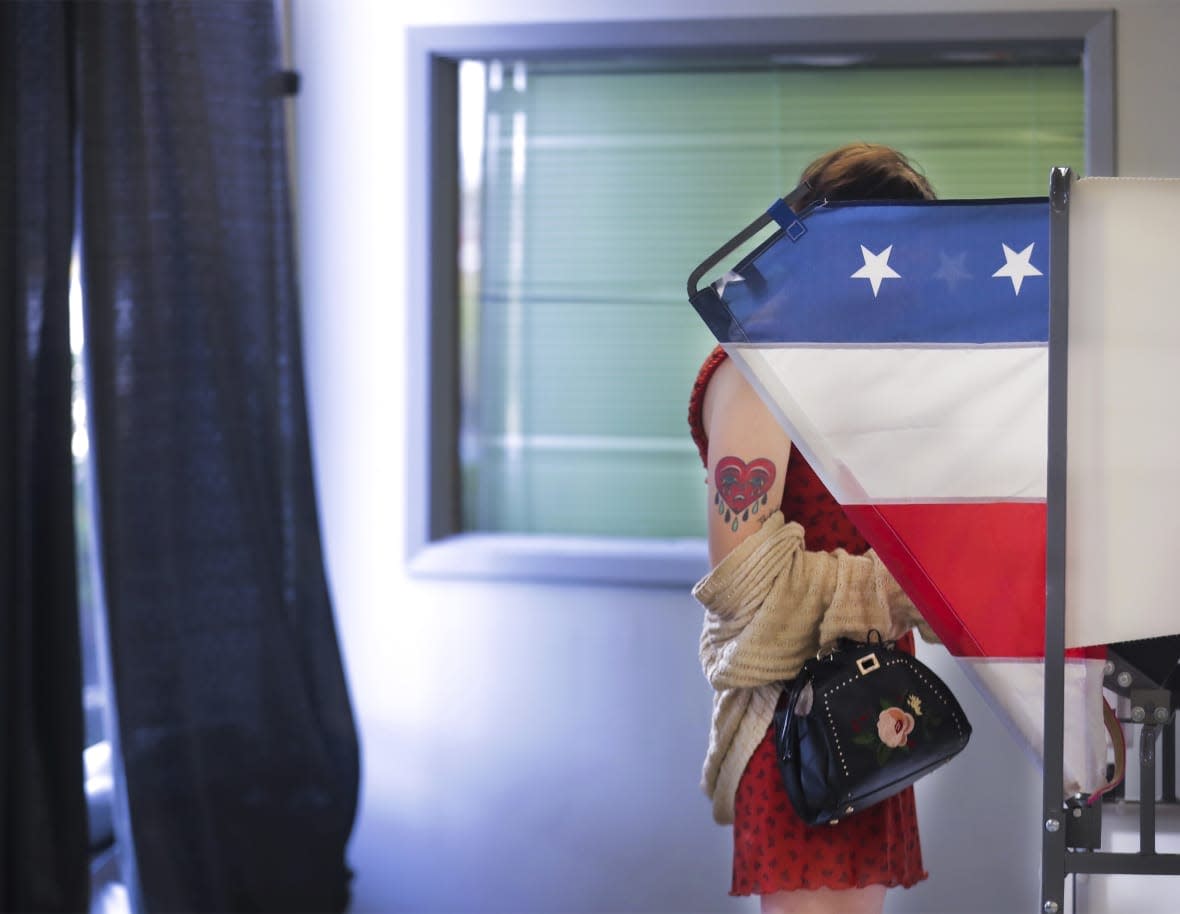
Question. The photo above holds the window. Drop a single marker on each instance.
(583, 188)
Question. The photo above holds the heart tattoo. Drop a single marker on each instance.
(741, 487)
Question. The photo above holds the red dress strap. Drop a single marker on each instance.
(696, 401)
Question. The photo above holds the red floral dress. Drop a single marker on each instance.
(773, 850)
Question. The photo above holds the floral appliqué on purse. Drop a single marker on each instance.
(899, 724)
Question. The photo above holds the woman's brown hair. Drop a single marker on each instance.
(864, 171)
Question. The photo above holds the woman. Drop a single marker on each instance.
(784, 582)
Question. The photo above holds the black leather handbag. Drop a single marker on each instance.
(861, 724)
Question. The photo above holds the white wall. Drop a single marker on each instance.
(538, 748)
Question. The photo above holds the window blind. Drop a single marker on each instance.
(601, 190)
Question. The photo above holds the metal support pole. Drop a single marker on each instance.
(1053, 793)
(1147, 788)
(1169, 761)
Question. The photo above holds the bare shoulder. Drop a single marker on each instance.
(735, 412)
(729, 390)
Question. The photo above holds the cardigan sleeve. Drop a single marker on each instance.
(770, 604)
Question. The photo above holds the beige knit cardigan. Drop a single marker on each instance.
(769, 605)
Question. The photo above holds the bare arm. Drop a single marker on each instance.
(747, 460)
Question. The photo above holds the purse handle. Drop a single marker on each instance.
(873, 639)
(781, 211)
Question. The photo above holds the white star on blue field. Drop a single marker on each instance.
(876, 268)
(1017, 267)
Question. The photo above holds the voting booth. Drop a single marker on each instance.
(1114, 506)
(988, 389)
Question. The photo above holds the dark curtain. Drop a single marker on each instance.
(238, 741)
(43, 834)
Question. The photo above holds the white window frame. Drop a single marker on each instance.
(436, 544)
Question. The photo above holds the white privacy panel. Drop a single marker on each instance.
(1123, 501)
